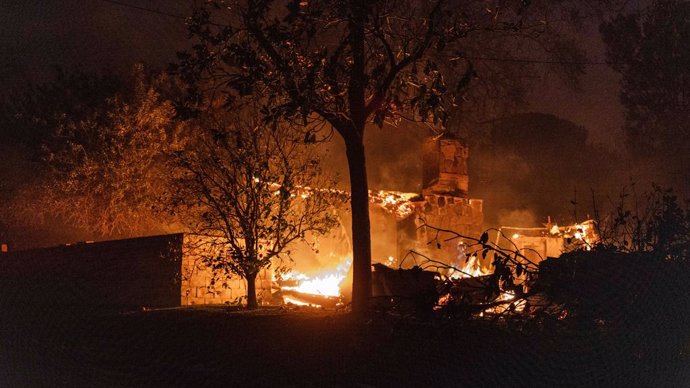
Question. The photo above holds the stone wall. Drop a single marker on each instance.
(198, 287)
(158, 271)
(445, 169)
(461, 215)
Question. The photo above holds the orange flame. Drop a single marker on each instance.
(325, 283)
(472, 268)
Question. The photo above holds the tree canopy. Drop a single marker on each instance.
(341, 65)
(97, 145)
(650, 48)
(535, 164)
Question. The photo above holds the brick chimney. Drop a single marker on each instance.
(445, 167)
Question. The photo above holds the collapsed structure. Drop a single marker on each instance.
(397, 218)
(165, 271)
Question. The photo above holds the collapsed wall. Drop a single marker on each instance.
(443, 204)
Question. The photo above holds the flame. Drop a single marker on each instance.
(518, 306)
(585, 233)
(325, 284)
(328, 285)
(472, 268)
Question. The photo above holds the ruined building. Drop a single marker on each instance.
(166, 271)
(443, 203)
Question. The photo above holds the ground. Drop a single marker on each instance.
(206, 347)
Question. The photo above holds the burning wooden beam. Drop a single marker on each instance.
(313, 299)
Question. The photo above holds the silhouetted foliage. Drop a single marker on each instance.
(635, 278)
(34, 116)
(653, 222)
(533, 162)
(505, 286)
(650, 49)
(251, 190)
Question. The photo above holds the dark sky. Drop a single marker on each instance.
(95, 34)
(595, 105)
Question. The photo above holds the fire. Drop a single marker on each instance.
(472, 268)
(296, 302)
(586, 233)
(327, 285)
(324, 284)
(395, 202)
(517, 306)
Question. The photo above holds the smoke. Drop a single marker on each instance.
(532, 166)
(393, 157)
(518, 217)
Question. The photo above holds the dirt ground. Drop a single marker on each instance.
(208, 347)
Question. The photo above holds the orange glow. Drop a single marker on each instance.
(472, 268)
(395, 202)
(326, 283)
(296, 302)
(506, 297)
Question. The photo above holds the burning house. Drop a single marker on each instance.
(538, 244)
(396, 224)
(164, 271)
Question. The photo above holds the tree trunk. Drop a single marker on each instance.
(361, 237)
(251, 292)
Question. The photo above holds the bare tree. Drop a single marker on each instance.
(249, 188)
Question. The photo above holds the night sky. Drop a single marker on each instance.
(91, 34)
(99, 34)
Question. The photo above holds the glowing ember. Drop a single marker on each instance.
(518, 306)
(296, 302)
(472, 268)
(585, 232)
(555, 229)
(390, 262)
(395, 202)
